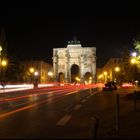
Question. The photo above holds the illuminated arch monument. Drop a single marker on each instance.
(74, 54)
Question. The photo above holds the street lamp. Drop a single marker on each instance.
(3, 63)
(36, 79)
(90, 81)
(0, 49)
(50, 75)
(32, 70)
(134, 54)
(133, 61)
(105, 75)
(32, 73)
(100, 77)
(77, 79)
(135, 66)
(36, 73)
(117, 70)
(3, 66)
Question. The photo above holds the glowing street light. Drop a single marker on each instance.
(90, 80)
(32, 70)
(0, 48)
(105, 75)
(36, 73)
(133, 61)
(134, 54)
(117, 69)
(50, 73)
(77, 79)
(32, 73)
(117, 78)
(50, 76)
(3, 63)
(36, 79)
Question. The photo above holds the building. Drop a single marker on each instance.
(3, 44)
(40, 69)
(112, 71)
(73, 62)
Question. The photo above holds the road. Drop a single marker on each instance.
(57, 112)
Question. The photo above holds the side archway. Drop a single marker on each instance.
(88, 77)
(61, 77)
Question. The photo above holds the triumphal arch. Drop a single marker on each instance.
(74, 54)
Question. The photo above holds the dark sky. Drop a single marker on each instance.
(34, 29)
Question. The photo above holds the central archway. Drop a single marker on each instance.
(74, 72)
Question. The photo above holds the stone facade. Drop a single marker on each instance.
(74, 53)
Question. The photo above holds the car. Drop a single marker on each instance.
(110, 86)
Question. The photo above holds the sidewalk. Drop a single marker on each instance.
(129, 118)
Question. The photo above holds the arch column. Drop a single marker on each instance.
(67, 69)
(55, 64)
(94, 69)
(82, 68)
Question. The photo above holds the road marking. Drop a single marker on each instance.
(11, 104)
(70, 92)
(93, 93)
(88, 97)
(83, 100)
(77, 107)
(64, 120)
(68, 108)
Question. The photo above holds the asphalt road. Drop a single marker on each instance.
(64, 112)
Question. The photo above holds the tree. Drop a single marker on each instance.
(127, 69)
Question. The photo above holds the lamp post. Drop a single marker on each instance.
(77, 79)
(0, 49)
(100, 78)
(105, 76)
(3, 66)
(32, 73)
(134, 63)
(50, 74)
(117, 70)
(90, 81)
(4, 63)
(36, 79)
(77, 82)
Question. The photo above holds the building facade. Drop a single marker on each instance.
(112, 71)
(42, 68)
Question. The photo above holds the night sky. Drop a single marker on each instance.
(33, 30)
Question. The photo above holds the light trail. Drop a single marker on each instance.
(20, 87)
(60, 92)
(58, 89)
(35, 94)
(28, 107)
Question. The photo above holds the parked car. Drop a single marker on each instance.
(109, 86)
